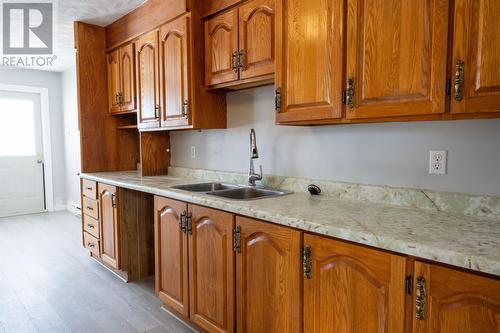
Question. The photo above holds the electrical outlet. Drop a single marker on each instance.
(193, 152)
(437, 162)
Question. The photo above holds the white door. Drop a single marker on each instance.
(21, 154)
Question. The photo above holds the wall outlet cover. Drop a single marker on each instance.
(437, 162)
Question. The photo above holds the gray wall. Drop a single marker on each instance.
(52, 81)
(393, 154)
(71, 137)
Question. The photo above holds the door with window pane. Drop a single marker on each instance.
(21, 154)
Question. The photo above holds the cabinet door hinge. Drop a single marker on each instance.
(185, 109)
(349, 93)
(113, 200)
(409, 284)
(182, 222)
(277, 100)
(448, 87)
(189, 223)
(237, 239)
(307, 261)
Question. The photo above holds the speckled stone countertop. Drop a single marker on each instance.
(465, 241)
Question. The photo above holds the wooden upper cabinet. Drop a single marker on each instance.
(109, 224)
(268, 278)
(174, 72)
(221, 48)
(476, 57)
(114, 80)
(171, 255)
(396, 58)
(128, 97)
(211, 269)
(256, 38)
(309, 54)
(454, 301)
(148, 81)
(352, 288)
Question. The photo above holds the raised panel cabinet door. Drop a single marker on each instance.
(268, 278)
(171, 255)
(148, 81)
(128, 91)
(221, 48)
(476, 43)
(114, 87)
(211, 269)
(174, 72)
(256, 41)
(109, 224)
(353, 289)
(309, 60)
(454, 301)
(396, 58)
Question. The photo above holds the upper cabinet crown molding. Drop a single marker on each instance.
(476, 57)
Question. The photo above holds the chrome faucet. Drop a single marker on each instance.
(254, 153)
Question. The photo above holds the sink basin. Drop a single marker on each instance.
(249, 193)
(205, 187)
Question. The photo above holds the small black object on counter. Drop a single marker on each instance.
(314, 189)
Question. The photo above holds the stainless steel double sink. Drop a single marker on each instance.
(232, 191)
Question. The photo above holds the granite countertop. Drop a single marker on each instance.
(463, 241)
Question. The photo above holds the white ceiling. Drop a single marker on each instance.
(100, 12)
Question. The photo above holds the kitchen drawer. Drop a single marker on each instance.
(91, 207)
(91, 243)
(89, 189)
(91, 225)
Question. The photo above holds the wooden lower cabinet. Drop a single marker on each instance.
(353, 288)
(454, 301)
(268, 278)
(195, 263)
(109, 226)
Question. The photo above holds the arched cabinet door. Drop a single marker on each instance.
(109, 224)
(353, 288)
(174, 71)
(211, 268)
(114, 86)
(268, 278)
(147, 81)
(127, 64)
(454, 301)
(221, 48)
(171, 255)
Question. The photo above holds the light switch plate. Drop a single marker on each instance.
(438, 162)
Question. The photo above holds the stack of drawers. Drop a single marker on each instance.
(90, 217)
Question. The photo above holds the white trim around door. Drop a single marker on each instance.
(47, 147)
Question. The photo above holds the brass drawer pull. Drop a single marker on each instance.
(89, 188)
(90, 208)
(90, 245)
(420, 295)
(90, 226)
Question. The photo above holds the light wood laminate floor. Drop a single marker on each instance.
(48, 283)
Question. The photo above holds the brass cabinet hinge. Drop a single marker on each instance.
(182, 222)
(277, 100)
(113, 200)
(448, 87)
(241, 59)
(349, 93)
(234, 61)
(459, 80)
(307, 261)
(185, 108)
(237, 239)
(409, 284)
(420, 295)
(189, 223)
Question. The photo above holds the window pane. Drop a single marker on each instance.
(17, 128)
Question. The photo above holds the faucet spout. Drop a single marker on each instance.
(254, 153)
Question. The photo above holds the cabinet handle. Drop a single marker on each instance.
(116, 99)
(420, 295)
(88, 188)
(185, 109)
(90, 245)
(113, 200)
(182, 222)
(157, 110)
(90, 208)
(234, 61)
(307, 261)
(459, 80)
(349, 93)
(277, 100)
(90, 226)
(241, 59)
